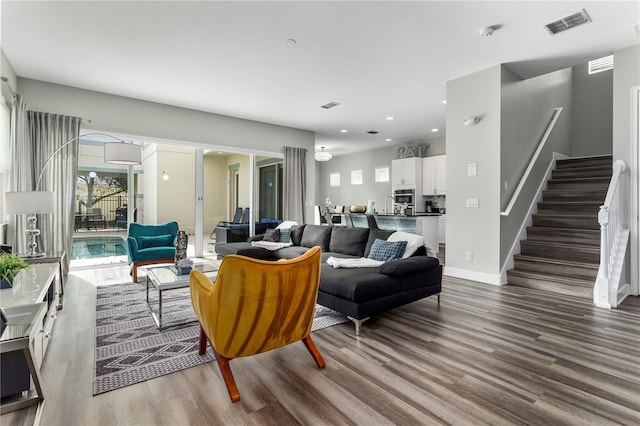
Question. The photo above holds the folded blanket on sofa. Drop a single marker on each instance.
(270, 245)
(361, 262)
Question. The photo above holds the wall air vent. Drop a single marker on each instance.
(372, 132)
(602, 64)
(330, 105)
(568, 22)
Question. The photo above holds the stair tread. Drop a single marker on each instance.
(579, 179)
(557, 230)
(550, 277)
(556, 261)
(573, 203)
(561, 245)
(570, 214)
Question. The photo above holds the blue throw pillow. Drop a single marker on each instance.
(285, 235)
(145, 242)
(385, 251)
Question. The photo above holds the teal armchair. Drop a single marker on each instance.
(150, 244)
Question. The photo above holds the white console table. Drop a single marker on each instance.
(31, 309)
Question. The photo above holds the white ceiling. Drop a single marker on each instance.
(376, 59)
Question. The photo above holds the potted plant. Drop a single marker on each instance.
(10, 264)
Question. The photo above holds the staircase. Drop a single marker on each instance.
(562, 251)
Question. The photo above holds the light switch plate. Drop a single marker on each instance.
(472, 202)
(472, 169)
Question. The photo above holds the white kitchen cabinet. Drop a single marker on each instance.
(434, 175)
(441, 229)
(406, 173)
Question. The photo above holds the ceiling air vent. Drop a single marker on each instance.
(602, 64)
(568, 22)
(330, 105)
(372, 132)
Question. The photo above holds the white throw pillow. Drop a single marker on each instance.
(286, 224)
(413, 241)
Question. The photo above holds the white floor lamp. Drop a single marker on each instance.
(43, 202)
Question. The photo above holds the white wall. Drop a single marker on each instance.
(592, 118)
(149, 121)
(476, 230)
(526, 109)
(215, 191)
(626, 75)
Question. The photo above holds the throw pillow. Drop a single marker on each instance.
(385, 251)
(413, 241)
(149, 241)
(285, 235)
(272, 235)
(286, 224)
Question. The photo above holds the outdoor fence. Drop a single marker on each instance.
(108, 212)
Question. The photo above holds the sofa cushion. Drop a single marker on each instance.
(290, 252)
(155, 253)
(386, 251)
(316, 235)
(243, 249)
(357, 284)
(409, 265)
(148, 241)
(296, 234)
(373, 234)
(272, 235)
(351, 241)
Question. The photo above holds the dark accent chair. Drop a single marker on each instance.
(151, 244)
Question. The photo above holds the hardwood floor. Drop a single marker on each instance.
(485, 355)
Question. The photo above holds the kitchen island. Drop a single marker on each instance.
(425, 224)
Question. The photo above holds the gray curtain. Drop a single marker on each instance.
(295, 182)
(20, 177)
(48, 133)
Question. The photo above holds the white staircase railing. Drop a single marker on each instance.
(608, 292)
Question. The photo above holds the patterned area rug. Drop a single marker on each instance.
(130, 348)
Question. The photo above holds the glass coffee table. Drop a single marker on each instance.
(164, 277)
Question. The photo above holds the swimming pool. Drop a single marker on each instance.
(95, 247)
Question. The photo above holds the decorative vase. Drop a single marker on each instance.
(328, 218)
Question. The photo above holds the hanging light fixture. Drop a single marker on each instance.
(323, 156)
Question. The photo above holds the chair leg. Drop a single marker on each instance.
(311, 347)
(134, 272)
(202, 346)
(227, 376)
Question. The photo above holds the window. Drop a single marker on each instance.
(602, 64)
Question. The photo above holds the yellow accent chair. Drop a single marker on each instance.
(255, 306)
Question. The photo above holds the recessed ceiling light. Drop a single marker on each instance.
(343, 131)
(291, 42)
(388, 140)
(444, 102)
(389, 118)
(434, 130)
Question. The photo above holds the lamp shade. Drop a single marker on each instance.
(323, 156)
(30, 202)
(122, 153)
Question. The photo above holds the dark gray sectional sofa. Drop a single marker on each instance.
(357, 292)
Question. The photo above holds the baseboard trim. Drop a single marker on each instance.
(493, 279)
